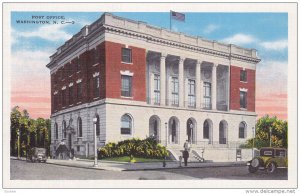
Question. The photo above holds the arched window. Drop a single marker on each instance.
(223, 132)
(98, 125)
(79, 127)
(126, 125)
(242, 130)
(64, 128)
(206, 130)
(56, 130)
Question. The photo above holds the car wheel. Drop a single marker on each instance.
(252, 169)
(271, 167)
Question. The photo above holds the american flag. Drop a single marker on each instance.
(177, 16)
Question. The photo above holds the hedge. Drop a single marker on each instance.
(146, 148)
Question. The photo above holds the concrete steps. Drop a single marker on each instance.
(200, 154)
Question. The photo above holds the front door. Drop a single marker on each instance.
(70, 141)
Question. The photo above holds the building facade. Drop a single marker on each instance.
(139, 81)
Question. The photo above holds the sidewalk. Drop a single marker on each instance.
(124, 166)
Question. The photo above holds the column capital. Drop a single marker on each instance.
(215, 64)
(199, 61)
(181, 59)
(163, 55)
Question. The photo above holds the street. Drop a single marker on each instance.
(22, 170)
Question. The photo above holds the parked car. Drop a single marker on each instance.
(269, 159)
(37, 154)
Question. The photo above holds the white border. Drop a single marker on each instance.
(155, 7)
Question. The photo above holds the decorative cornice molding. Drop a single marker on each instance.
(96, 74)
(243, 89)
(128, 73)
(161, 41)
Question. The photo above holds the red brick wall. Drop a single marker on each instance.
(236, 84)
(114, 66)
(108, 64)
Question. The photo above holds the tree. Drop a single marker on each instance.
(33, 133)
(15, 117)
(267, 127)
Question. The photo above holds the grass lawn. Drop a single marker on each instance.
(127, 159)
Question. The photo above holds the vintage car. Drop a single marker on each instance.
(37, 154)
(269, 159)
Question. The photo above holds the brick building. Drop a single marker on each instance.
(139, 81)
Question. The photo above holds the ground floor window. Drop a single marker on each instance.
(242, 132)
(206, 130)
(126, 125)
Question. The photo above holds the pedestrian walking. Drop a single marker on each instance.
(185, 153)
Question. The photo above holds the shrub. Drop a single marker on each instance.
(147, 148)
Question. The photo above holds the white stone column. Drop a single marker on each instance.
(198, 84)
(214, 86)
(163, 79)
(181, 81)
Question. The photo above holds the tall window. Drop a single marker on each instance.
(61, 73)
(79, 127)
(63, 96)
(242, 130)
(243, 75)
(175, 91)
(94, 56)
(206, 130)
(126, 86)
(156, 89)
(191, 93)
(96, 86)
(243, 99)
(78, 64)
(69, 69)
(71, 95)
(126, 125)
(56, 130)
(207, 95)
(64, 129)
(55, 105)
(126, 55)
(79, 91)
(98, 125)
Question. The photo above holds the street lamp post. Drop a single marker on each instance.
(95, 141)
(190, 136)
(270, 132)
(19, 151)
(166, 126)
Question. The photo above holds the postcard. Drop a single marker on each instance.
(150, 95)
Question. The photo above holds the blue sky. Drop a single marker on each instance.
(266, 32)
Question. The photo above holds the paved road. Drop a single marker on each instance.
(22, 170)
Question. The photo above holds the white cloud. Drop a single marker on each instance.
(272, 76)
(49, 32)
(30, 63)
(240, 39)
(277, 45)
(210, 28)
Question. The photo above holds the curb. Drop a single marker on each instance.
(74, 166)
(141, 169)
(184, 167)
